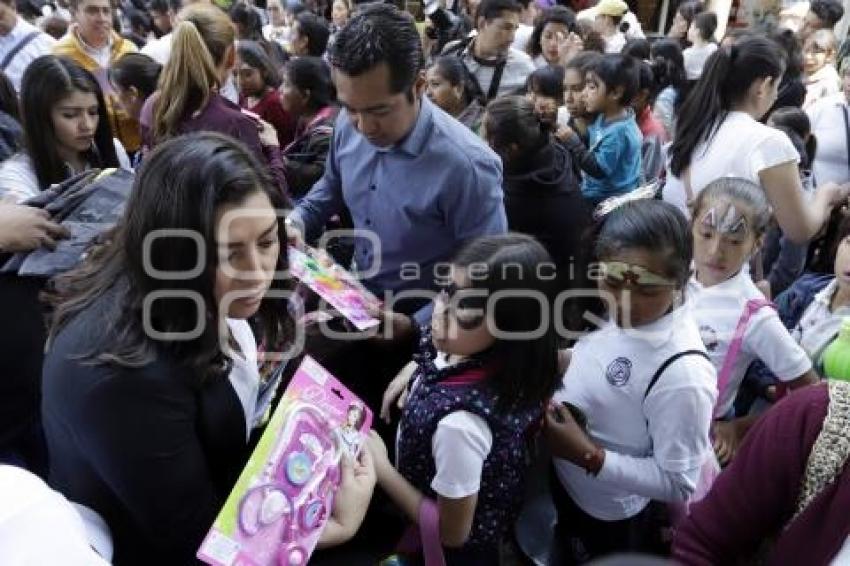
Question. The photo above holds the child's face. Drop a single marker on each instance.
(842, 263)
(640, 294)
(724, 240)
(250, 80)
(596, 95)
(816, 56)
(459, 323)
(574, 93)
(545, 107)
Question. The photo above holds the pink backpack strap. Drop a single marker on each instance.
(427, 539)
(752, 306)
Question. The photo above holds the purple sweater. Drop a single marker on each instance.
(755, 497)
(222, 116)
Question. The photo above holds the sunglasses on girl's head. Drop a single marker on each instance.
(466, 304)
(618, 273)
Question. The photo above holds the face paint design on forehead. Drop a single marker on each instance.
(727, 222)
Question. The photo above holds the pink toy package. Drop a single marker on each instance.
(335, 285)
(281, 501)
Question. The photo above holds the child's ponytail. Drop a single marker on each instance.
(727, 77)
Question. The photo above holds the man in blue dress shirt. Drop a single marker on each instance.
(409, 173)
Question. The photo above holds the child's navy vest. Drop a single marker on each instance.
(463, 387)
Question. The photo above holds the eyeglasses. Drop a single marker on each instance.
(465, 304)
(618, 273)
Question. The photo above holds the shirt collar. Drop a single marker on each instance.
(824, 296)
(414, 143)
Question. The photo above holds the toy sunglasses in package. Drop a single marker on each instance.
(282, 499)
(335, 285)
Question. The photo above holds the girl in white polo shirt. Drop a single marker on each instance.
(644, 384)
(737, 324)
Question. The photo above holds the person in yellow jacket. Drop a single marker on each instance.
(94, 45)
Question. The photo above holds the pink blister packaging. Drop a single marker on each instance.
(280, 504)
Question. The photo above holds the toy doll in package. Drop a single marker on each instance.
(280, 504)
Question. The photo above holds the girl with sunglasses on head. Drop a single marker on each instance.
(644, 385)
(480, 382)
(735, 320)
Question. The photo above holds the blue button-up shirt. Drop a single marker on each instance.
(423, 198)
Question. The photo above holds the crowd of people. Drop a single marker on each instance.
(609, 267)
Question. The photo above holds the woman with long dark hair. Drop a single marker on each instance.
(66, 129)
(151, 383)
(718, 133)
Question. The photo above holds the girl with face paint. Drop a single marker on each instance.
(736, 323)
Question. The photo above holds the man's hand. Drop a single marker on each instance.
(24, 228)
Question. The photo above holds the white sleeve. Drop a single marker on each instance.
(775, 149)
(460, 445)
(121, 153)
(678, 411)
(643, 476)
(767, 339)
(17, 179)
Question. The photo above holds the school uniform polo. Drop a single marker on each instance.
(717, 310)
(653, 446)
(819, 326)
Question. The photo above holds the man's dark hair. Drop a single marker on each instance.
(380, 33)
(158, 6)
(316, 30)
(828, 11)
(492, 9)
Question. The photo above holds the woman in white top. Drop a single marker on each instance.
(830, 118)
(718, 134)
(66, 129)
(644, 384)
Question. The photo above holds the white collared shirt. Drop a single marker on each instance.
(822, 84)
(718, 309)
(654, 446)
(819, 326)
(827, 118)
(41, 45)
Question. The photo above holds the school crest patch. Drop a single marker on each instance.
(619, 371)
(709, 337)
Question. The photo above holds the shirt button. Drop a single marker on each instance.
(373, 188)
(368, 222)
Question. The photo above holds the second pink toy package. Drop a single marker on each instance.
(335, 285)
(282, 499)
